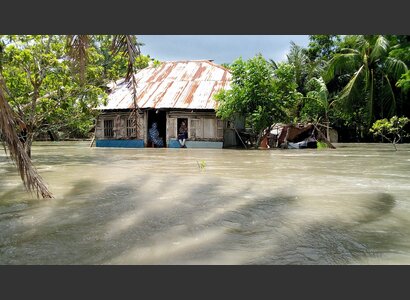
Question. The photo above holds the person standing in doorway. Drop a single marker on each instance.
(154, 136)
(182, 134)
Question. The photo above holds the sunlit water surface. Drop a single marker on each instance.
(350, 205)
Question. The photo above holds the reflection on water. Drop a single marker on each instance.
(156, 206)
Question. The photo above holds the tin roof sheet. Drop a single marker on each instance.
(177, 84)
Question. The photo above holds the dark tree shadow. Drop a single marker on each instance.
(151, 219)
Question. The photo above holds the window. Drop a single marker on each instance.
(108, 128)
(131, 128)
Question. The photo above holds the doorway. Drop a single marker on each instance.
(160, 117)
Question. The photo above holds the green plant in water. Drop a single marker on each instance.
(392, 130)
(201, 164)
(321, 145)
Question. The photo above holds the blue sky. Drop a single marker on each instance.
(220, 48)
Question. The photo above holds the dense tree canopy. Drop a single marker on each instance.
(372, 76)
(51, 92)
(260, 93)
(52, 84)
(349, 81)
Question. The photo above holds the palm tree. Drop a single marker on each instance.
(298, 58)
(371, 76)
(320, 95)
(127, 45)
(77, 46)
(31, 179)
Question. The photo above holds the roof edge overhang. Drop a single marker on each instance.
(160, 109)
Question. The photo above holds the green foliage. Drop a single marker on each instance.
(226, 65)
(322, 47)
(317, 102)
(321, 145)
(201, 164)
(393, 130)
(42, 87)
(143, 61)
(371, 75)
(298, 58)
(47, 91)
(251, 93)
(404, 82)
(399, 47)
(257, 92)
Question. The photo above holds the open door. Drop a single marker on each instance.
(158, 116)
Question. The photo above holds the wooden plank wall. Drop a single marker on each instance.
(120, 125)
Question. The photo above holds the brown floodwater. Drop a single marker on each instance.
(350, 205)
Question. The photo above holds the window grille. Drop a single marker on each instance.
(108, 128)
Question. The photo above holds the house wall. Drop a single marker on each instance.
(120, 125)
(202, 126)
(231, 138)
(205, 130)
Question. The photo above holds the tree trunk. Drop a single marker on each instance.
(31, 179)
(31, 121)
(259, 139)
(53, 136)
(327, 127)
(29, 142)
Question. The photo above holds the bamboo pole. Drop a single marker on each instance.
(234, 127)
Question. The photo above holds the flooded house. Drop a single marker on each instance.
(168, 94)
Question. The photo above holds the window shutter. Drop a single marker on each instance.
(209, 128)
(171, 130)
(219, 129)
(195, 130)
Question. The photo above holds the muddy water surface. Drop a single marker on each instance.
(350, 205)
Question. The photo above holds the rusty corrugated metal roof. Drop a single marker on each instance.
(187, 84)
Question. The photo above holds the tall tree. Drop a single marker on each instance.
(372, 75)
(317, 102)
(36, 70)
(322, 47)
(259, 93)
(45, 94)
(300, 61)
(31, 70)
(8, 135)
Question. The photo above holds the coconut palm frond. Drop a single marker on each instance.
(395, 68)
(370, 91)
(128, 46)
(388, 100)
(352, 89)
(77, 46)
(341, 63)
(323, 91)
(273, 64)
(379, 49)
(349, 51)
(31, 179)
